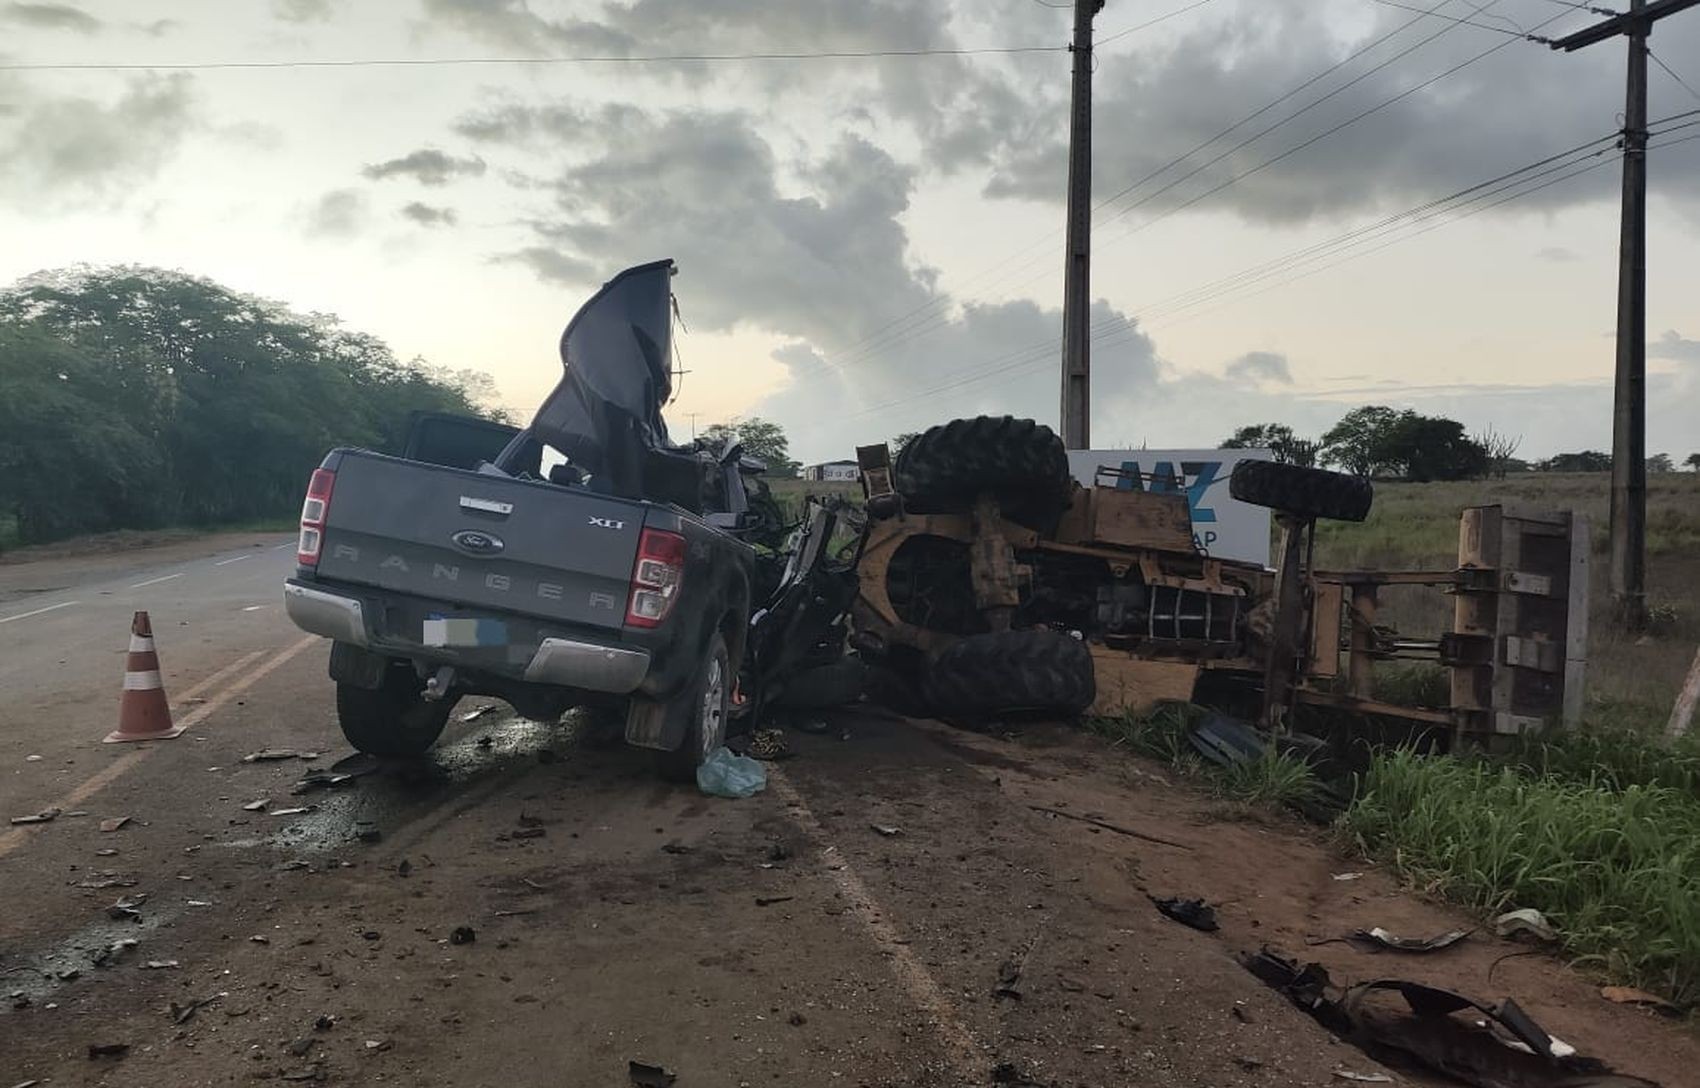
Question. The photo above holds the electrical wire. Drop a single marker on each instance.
(1671, 72)
(1118, 35)
(1517, 33)
(428, 62)
(889, 335)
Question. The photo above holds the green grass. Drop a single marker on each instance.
(1616, 869)
(1273, 779)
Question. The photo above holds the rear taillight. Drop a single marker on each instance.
(313, 509)
(656, 575)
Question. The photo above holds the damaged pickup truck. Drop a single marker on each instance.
(589, 562)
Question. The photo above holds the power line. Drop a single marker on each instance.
(429, 62)
(1100, 43)
(1591, 9)
(889, 335)
(1517, 33)
(1672, 73)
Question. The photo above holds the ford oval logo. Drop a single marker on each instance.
(476, 542)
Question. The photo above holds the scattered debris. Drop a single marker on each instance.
(294, 865)
(160, 965)
(197, 903)
(260, 938)
(113, 952)
(1507, 1050)
(674, 847)
(528, 833)
(324, 1022)
(342, 772)
(312, 1072)
(887, 831)
(1188, 912)
(770, 900)
(1529, 921)
(768, 744)
(1383, 939)
(474, 715)
(106, 852)
(368, 834)
(1363, 1078)
(1628, 995)
(46, 815)
(1348, 876)
(125, 909)
(463, 935)
(106, 1050)
(114, 824)
(300, 1047)
(379, 1044)
(1107, 826)
(255, 806)
(1009, 973)
(725, 774)
(106, 880)
(486, 742)
(32, 759)
(267, 755)
(181, 1014)
(291, 811)
(645, 1075)
(797, 1020)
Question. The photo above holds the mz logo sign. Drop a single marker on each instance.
(1194, 479)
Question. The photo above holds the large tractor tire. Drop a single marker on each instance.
(1011, 672)
(1022, 463)
(1308, 492)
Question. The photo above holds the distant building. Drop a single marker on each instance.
(832, 471)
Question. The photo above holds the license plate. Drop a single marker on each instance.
(464, 631)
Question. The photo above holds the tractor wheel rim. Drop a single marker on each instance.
(713, 707)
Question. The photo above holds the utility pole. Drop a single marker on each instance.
(1629, 411)
(1077, 271)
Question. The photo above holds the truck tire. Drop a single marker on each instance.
(1308, 492)
(1023, 463)
(709, 698)
(824, 686)
(987, 676)
(394, 720)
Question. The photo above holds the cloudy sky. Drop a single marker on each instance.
(869, 245)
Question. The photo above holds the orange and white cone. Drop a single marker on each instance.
(143, 713)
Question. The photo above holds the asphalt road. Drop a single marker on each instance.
(901, 907)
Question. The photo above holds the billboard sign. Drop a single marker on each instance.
(1221, 526)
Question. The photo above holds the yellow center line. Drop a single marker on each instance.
(17, 836)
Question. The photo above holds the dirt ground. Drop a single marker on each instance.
(777, 940)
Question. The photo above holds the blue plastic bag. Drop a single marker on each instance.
(724, 774)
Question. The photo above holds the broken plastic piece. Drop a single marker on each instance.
(1528, 920)
(645, 1075)
(114, 824)
(724, 774)
(1188, 912)
(46, 815)
(1384, 939)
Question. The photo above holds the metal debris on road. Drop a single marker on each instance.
(770, 900)
(125, 909)
(312, 1072)
(102, 881)
(1195, 913)
(181, 1014)
(114, 824)
(645, 1075)
(46, 815)
(160, 965)
(106, 852)
(463, 935)
(106, 1050)
(267, 755)
(260, 938)
(474, 715)
(1529, 921)
(32, 759)
(1383, 939)
(301, 811)
(887, 830)
(255, 806)
(1363, 1078)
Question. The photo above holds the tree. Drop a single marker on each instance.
(1661, 462)
(1501, 451)
(1278, 438)
(1693, 461)
(1423, 448)
(1356, 442)
(1585, 461)
(137, 397)
(761, 439)
(896, 444)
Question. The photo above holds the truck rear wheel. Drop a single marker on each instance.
(394, 720)
(987, 676)
(710, 699)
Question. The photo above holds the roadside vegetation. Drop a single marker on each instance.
(139, 398)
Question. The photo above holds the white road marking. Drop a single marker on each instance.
(37, 612)
(157, 581)
(14, 838)
(285, 544)
(232, 559)
(959, 1049)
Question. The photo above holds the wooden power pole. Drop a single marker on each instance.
(1629, 413)
(1077, 272)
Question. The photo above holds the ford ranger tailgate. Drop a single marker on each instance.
(472, 539)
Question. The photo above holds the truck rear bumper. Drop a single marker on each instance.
(564, 662)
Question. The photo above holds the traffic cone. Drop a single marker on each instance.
(142, 710)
